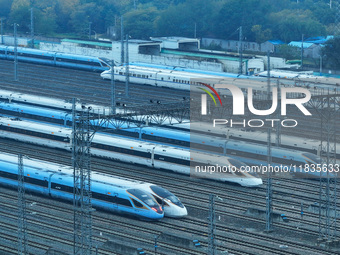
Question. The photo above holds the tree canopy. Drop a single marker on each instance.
(260, 19)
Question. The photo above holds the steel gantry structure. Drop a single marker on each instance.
(22, 216)
(83, 131)
(327, 105)
(81, 144)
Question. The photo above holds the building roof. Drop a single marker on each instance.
(276, 42)
(319, 39)
(298, 44)
(100, 44)
(200, 55)
(174, 39)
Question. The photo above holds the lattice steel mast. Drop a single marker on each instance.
(81, 161)
(22, 219)
(327, 107)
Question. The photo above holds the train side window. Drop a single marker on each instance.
(123, 201)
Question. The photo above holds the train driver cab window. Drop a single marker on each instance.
(137, 204)
(142, 196)
(159, 201)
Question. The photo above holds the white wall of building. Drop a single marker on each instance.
(9, 40)
(134, 56)
(73, 49)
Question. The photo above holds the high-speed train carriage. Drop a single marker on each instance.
(124, 149)
(189, 70)
(242, 150)
(171, 205)
(59, 111)
(192, 81)
(7, 96)
(52, 58)
(182, 80)
(56, 181)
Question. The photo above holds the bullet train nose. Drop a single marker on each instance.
(250, 182)
(175, 212)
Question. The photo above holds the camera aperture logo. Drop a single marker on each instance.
(238, 99)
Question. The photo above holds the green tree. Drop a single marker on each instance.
(139, 23)
(288, 52)
(245, 13)
(5, 7)
(83, 15)
(180, 20)
(20, 14)
(63, 10)
(289, 25)
(331, 51)
(260, 34)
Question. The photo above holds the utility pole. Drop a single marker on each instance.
(22, 223)
(15, 53)
(113, 91)
(212, 225)
(2, 31)
(122, 41)
(32, 28)
(127, 75)
(240, 50)
(269, 192)
(302, 51)
(278, 126)
(195, 30)
(90, 28)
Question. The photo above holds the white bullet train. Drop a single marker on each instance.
(108, 192)
(192, 81)
(129, 150)
(180, 79)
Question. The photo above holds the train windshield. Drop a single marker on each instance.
(312, 157)
(164, 193)
(144, 197)
(238, 164)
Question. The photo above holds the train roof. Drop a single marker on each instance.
(50, 53)
(63, 171)
(48, 101)
(259, 84)
(190, 70)
(35, 126)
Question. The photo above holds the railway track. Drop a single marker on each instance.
(167, 179)
(237, 198)
(66, 83)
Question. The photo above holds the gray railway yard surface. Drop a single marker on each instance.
(238, 230)
(89, 87)
(240, 218)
